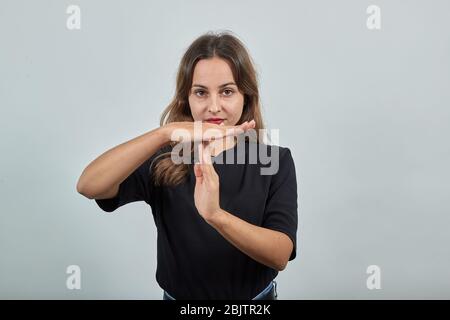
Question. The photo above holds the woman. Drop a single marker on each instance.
(225, 229)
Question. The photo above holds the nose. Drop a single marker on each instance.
(214, 105)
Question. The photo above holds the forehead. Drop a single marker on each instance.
(212, 72)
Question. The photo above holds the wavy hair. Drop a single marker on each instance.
(223, 45)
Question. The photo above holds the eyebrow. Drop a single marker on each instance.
(221, 86)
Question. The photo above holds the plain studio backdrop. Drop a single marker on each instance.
(364, 111)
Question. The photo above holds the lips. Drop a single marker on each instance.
(214, 120)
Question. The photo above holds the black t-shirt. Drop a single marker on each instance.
(194, 261)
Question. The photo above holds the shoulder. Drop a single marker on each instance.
(273, 160)
(275, 152)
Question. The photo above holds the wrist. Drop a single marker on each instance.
(218, 219)
(166, 132)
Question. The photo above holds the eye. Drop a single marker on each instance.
(228, 92)
(199, 93)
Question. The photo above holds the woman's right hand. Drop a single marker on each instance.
(185, 131)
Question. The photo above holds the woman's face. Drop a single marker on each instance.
(214, 94)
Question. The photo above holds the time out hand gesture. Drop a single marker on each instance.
(185, 131)
(206, 193)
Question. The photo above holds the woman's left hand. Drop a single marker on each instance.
(206, 193)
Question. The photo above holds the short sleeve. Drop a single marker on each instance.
(138, 186)
(281, 206)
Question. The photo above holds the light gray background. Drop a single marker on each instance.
(365, 114)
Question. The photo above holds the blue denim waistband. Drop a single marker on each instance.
(260, 295)
(265, 291)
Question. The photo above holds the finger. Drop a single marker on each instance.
(205, 162)
(243, 127)
(200, 153)
(198, 172)
(206, 153)
(207, 167)
(211, 134)
(210, 172)
(249, 124)
(198, 169)
(246, 125)
(234, 131)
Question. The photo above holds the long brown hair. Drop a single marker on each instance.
(228, 47)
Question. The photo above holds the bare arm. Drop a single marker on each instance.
(269, 247)
(102, 177)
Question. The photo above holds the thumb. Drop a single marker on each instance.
(198, 172)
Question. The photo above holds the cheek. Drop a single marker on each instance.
(236, 106)
(195, 108)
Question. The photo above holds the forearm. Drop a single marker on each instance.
(113, 166)
(269, 247)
